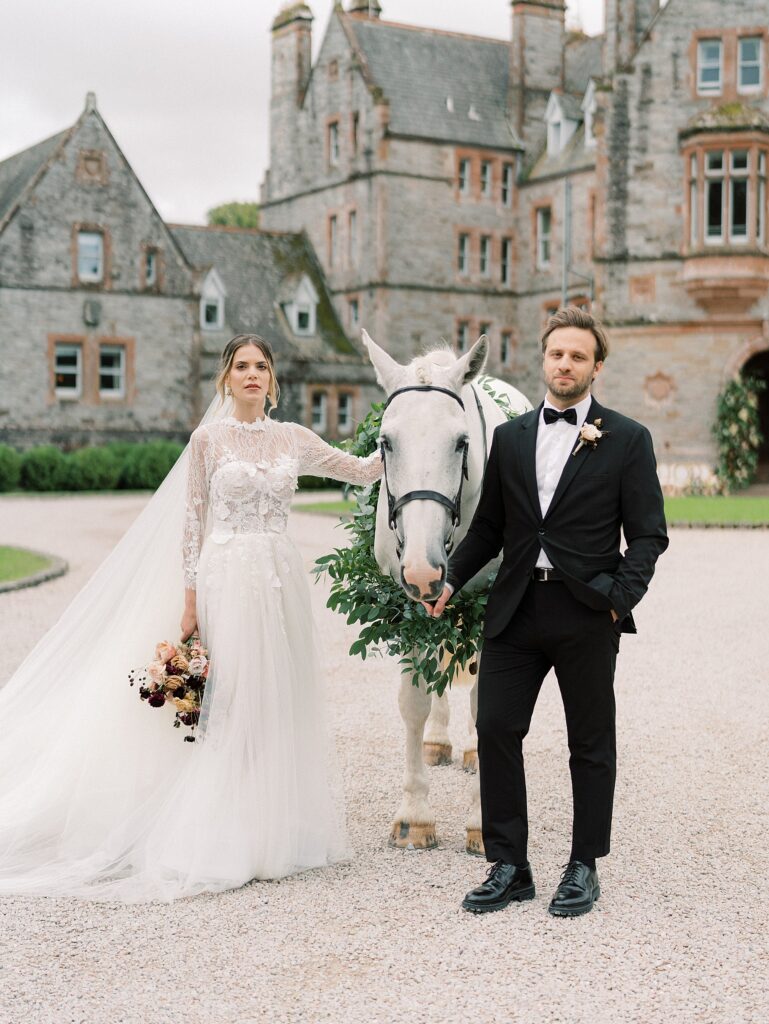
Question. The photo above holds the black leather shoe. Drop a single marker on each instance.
(504, 883)
(577, 892)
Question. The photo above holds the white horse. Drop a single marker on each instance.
(436, 434)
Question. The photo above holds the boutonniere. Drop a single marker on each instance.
(590, 434)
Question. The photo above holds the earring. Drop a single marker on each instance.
(228, 391)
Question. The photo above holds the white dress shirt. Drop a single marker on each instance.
(555, 443)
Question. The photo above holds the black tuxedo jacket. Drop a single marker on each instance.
(602, 491)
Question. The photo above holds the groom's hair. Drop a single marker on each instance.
(573, 316)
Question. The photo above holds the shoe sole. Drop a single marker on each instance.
(575, 911)
(518, 897)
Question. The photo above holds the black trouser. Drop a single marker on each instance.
(550, 629)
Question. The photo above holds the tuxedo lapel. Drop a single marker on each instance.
(528, 455)
(574, 463)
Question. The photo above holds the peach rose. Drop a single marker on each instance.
(174, 683)
(180, 662)
(184, 704)
(165, 651)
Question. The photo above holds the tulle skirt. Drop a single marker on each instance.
(101, 799)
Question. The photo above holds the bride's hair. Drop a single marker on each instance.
(228, 356)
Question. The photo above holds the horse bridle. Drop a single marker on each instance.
(394, 505)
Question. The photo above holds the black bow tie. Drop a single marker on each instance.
(552, 415)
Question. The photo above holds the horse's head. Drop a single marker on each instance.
(425, 438)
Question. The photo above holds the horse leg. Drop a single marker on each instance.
(470, 753)
(414, 824)
(474, 842)
(436, 748)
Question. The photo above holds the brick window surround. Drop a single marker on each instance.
(730, 89)
(322, 401)
(725, 188)
(91, 346)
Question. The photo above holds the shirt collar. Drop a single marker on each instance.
(581, 409)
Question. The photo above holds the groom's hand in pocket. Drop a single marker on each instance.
(436, 610)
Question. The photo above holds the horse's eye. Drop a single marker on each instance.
(385, 443)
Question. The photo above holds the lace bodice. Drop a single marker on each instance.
(242, 477)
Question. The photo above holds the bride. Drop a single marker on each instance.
(99, 798)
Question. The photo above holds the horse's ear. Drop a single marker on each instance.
(472, 363)
(388, 372)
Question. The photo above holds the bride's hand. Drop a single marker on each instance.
(189, 623)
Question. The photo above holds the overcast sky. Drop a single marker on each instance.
(183, 84)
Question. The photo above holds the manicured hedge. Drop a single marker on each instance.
(119, 465)
(10, 468)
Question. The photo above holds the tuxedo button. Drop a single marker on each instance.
(542, 533)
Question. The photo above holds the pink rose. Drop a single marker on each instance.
(197, 666)
(156, 670)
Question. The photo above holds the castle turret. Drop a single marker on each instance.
(291, 66)
(536, 65)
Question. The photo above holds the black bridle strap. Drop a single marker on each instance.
(424, 387)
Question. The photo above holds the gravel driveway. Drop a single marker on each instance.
(680, 933)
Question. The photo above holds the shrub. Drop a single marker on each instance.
(146, 465)
(92, 469)
(10, 468)
(43, 469)
(737, 432)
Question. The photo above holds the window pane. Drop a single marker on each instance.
(740, 160)
(111, 368)
(715, 202)
(319, 410)
(485, 254)
(463, 259)
(715, 161)
(303, 319)
(90, 256)
(750, 63)
(67, 368)
(739, 212)
(211, 312)
(709, 65)
(462, 335)
(344, 412)
(464, 175)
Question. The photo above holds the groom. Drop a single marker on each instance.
(560, 484)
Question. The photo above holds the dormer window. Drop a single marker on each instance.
(302, 311)
(561, 121)
(212, 302)
(709, 65)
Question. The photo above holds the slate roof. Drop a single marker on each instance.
(734, 116)
(259, 269)
(19, 171)
(573, 157)
(419, 69)
(583, 56)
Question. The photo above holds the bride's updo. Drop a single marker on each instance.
(228, 357)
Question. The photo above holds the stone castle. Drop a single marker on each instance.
(455, 185)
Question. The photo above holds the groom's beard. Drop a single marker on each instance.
(574, 389)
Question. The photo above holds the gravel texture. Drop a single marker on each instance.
(679, 935)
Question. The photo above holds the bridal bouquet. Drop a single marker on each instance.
(177, 676)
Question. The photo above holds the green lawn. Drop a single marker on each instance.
(328, 508)
(718, 509)
(16, 564)
(732, 509)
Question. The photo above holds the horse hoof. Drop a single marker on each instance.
(436, 753)
(474, 845)
(415, 837)
(470, 761)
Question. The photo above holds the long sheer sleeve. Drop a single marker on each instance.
(317, 458)
(196, 508)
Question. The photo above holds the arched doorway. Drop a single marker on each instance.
(758, 366)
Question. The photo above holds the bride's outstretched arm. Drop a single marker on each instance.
(317, 458)
(194, 528)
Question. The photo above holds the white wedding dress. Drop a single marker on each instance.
(99, 796)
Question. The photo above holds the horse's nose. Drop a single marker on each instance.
(423, 580)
